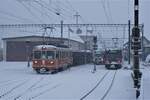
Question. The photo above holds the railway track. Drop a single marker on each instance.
(100, 81)
(109, 88)
(28, 89)
(43, 92)
(34, 87)
(4, 82)
(12, 89)
(7, 82)
(88, 93)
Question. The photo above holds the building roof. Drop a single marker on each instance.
(146, 42)
(12, 33)
(33, 36)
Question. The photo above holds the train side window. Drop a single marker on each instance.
(37, 54)
(50, 54)
(60, 54)
(67, 53)
(64, 54)
(57, 54)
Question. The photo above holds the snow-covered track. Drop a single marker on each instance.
(109, 88)
(42, 92)
(28, 89)
(88, 93)
(12, 89)
(4, 82)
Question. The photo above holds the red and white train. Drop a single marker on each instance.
(49, 58)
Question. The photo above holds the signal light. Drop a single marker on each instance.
(95, 39)
(51, 62)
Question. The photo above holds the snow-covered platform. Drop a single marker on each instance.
(17, 81)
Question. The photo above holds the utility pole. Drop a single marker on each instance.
(136, 45)
(129, 41)
(77, 17)
(77, 22)
(61, 30)
(143, 49)
(94, 52)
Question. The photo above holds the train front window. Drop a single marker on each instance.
(114, 55)
(43, 55)
(50, 54)
(37, 54)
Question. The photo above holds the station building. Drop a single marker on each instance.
(19, 48)
(144, 52)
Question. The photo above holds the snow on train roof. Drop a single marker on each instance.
(49, 47)
(45, 46)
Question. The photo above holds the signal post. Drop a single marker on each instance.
(94, 52)
(136, 46)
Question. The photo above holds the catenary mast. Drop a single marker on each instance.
(136, 46)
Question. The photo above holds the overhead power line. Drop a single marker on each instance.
(105, 11)
(17, 17)
(28, 9)
(109, 10)
(59, 9)
(50, 10)
(70, 6)
(12, 19)
(52, 19)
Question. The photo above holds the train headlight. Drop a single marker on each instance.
(35, 62)
(51, 62)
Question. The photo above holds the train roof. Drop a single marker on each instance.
(45, 46)
(39, 47)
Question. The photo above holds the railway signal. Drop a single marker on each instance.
(94, 52)
(135, 46)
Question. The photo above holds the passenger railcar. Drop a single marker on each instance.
(49, 58)
(113, 59)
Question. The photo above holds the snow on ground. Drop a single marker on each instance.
(146, 83)
(17, 81)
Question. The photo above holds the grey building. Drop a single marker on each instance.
(88, 39)
(19, 48)
(143, 52)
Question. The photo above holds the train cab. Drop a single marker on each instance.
(50, 58)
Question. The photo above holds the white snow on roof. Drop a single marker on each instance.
(45, 46)
(12, 32)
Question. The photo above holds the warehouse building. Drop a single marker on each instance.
(19, 48)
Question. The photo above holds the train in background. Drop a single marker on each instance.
(49, 58)
(113, 58)
(99, 57)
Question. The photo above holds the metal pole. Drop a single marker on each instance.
(77, 17)
(68, 37)
(27, 53)
(136, 45)
(61, 30)
(94, 61)
(129, 41)
(94, 52)
(85, 53)
(143, 49)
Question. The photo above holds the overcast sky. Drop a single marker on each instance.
(92, 11)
